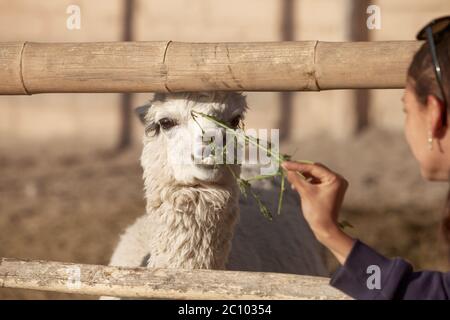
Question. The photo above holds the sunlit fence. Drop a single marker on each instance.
(161, 283)
(166, 66)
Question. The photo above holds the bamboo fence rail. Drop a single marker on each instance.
(167, 66)
(161, 283)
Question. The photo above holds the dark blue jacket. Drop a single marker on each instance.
(368, 275)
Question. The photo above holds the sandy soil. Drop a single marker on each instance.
(70, 205)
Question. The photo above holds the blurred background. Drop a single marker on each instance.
(70, 179)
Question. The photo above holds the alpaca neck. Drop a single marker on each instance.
(193, 226)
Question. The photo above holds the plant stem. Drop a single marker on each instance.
(280, 197)
(244, 184)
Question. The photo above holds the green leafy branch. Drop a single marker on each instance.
(245, 184)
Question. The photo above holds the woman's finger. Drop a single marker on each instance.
(296, 181)
(316, 170)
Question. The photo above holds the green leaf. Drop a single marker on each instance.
(262, 207)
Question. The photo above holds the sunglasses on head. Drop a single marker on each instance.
(432, 33)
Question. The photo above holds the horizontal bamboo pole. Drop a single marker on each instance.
(161, 283)
(166, 66)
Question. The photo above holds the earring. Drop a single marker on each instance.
(430, 141)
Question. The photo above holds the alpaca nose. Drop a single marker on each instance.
(207, 143)
(209, 136)
(198, 151)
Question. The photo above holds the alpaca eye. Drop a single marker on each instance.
(152, 128)
(234, 123)
(166, 123)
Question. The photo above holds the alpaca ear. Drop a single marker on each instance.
(141, 112)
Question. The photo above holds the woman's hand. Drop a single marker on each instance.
(321, 196)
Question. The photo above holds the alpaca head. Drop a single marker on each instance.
(174, 142)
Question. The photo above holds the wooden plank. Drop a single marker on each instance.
(94, 67)
(161, 283)
(357, 65)
(271, 66)
(177, 66)
(11, 69)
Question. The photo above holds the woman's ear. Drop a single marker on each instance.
(436, 116)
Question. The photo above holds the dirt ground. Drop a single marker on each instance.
(70, 204)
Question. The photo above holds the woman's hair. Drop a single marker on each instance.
(422, 76)
(421, 70)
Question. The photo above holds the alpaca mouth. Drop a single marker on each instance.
(208, 162)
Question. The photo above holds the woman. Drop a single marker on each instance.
(365, 274)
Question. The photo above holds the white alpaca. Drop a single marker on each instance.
(192, 209)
